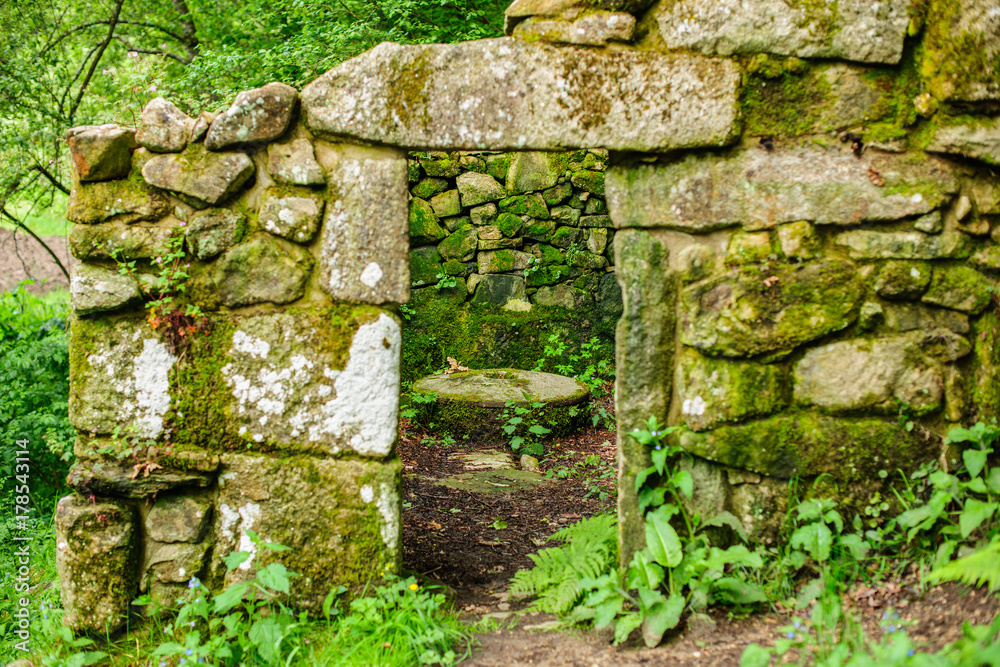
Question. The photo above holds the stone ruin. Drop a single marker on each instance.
(808, 244)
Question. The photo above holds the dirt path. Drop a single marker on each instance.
(475, 541)
(22, 258)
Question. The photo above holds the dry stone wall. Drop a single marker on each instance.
(513, 230)
(235, 357)
(807, 210)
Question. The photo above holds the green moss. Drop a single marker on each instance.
(807, 444)
(547, 275)
(509, 224)
(531, 205)
(985, 388)
(954, 62)
(465, 419)
(453, 268)
(424, 227)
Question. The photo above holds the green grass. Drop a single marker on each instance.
(50, 221)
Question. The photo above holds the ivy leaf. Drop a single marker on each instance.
(755, 656)
(661, 539)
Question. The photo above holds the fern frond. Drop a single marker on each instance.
(590, 549)
(976, 569)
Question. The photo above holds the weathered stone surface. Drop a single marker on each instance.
(123, 201)
(364, 241)
(806, 445)
(566, 215)
(214, 231)
(597, 241)
(172, 563)
(713, 391)
(459, 96)
(460, 245)
(959, 288)
(500, 290)
(798, 240)
(984, 191)
(95, 289)
(178, 518)
(257, 115)
(96, 559)
(563, 296)
(988, 258)
(163, 128)
(850, 30)
(429, 187)
(349, 528)
(872, 375)
(522, 9)
(932, 223)
(695, 262)
(609, 297)
(980, 141)
(592, 29)
(207, 177)
(531, 171)
(961, 53)
(495, 388)
(867, 244)
(984, 389)
(748, 248)
(915, 317)
(735, 315)
(483, 215)
(201, 125)
(112, 478)
(596, 221)
(425, 266)
(477, 189)
(89, 242)
(317, 381)
(502, 261)
(760, 189)
(902, 280)
(424, 227)
(294, 163)
(100, 152)
(294, 216)
(119, 377)
(644, 358)
(262, 269)
(446, 204)
(530, 205)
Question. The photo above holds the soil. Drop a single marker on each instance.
(473, 543)
(22, 258)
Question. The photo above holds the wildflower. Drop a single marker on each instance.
(791, 635)
(798, 624)
(194, 583)
(163, 663)
(188, 652)
(153, 88)
(909, 654)
(414, 587)
(892, 628)
(658, 447)
(191, 624)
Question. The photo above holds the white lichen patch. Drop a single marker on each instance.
(694, 406)
(388, 506)
(255, 347)
(243, 519)
(367, 493)
(364, 408)
(371, 275)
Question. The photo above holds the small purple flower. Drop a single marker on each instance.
(791, 635)
(798, 624)
(658, 447)
(909, 654)
(194, 583)
(188, 652)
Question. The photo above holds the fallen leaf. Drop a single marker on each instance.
(875, 177)
(455, 366)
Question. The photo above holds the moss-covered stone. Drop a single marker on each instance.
(531, 205)
(502, 261)
(460, 245)
(748, 248)
(429, 187)
(985, 389)
(589, 181)
(531, 171)
(263, 269)
(441, 168)
(557, 194)
(959, 288)
(97, 562)
(547, 275)
(347, 532)
(805, 445)
(424, 227)
(902, 280)
(446, 204)
(425, 265)
(127, 200)
(539, 229)
(961, 51)
(713, 391)
(509, 224)
(739, 314)
(453, 268)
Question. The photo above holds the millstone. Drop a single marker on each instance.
(480, 402)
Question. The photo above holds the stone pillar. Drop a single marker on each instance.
(234, 356)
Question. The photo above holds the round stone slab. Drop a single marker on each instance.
(474, 402)
(495, 387)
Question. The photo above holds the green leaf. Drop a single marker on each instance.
(625, 625)
(726, 519)
(266, 635)
(993, 480)
(731, 590)
(643, 572)
(855, 545)
(684, 482)
(85, 658)
(808, 593)
(976, 569)
(229, 598)
(538, 429)
(975, 461)
(274, 546)
(973, 514)
(815, 539)
(660, 616)
(662, 541)
(235, 559)
(274, 576)
(755, 656)
(659, 457)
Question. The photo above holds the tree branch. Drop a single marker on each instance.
(20, 225)
(52, 179)
(101, 48)
(152, 52)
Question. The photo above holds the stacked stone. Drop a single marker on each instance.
(512, 229)
(273, 410)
